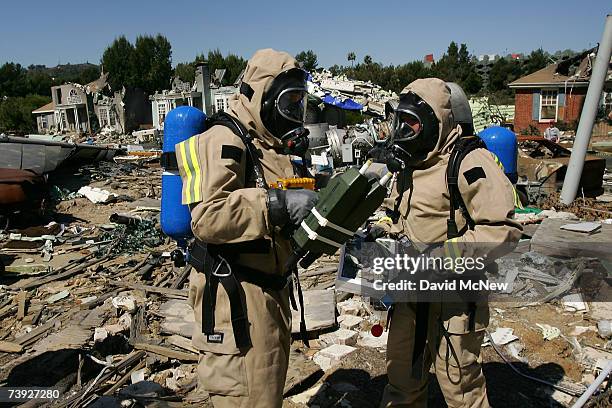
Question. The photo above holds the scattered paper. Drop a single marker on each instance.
(501, 336)
(549, 332)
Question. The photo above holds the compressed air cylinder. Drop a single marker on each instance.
(503, 143)
(180, 124)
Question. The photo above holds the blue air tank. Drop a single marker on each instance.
(503, 143)
(180, 124)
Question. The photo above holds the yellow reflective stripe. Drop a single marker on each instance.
(186, 166)
(196, 169)
(517, 199)
(451, 248)
(499, 163)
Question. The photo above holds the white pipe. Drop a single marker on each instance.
(593, 387)
(587, 118)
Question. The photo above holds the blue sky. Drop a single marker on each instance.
(52, 32)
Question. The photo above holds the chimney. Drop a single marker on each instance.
(203, 79)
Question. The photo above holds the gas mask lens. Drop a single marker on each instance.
(407, 125)
(291, 104)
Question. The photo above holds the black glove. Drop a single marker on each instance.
(290, 206)
(388, 157)
(374, 232)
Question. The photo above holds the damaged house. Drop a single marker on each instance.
(556, 93)
(90, 108)
(183, 93)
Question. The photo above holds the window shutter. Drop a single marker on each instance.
(535, 110)
(561, 99)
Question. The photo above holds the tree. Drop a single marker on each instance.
(537, 60)
(458, 66)
(12, 80)
(351, 57)
(146, 65)
(232, 63)
(16, 113)
(502, 73)
(367, 60)
(185, 71)
(161, 65)
(308, 59)
(119, 61)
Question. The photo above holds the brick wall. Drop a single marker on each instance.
(523, 102)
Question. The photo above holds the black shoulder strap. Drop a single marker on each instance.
(462, 148)
(225, 119)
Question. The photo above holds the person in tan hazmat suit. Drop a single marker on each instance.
(240, 288)
(447, 334)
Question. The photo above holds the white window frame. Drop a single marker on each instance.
(162, 109)
(43, 121)
(556, 91)
(220, 103)
(103, 117)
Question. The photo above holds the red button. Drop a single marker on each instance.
(376, 330)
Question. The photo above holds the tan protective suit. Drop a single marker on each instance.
(424, 210)
(228, 208)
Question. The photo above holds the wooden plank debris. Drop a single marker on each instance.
(152, 289)
(10, 347)
(21, 304)
(166, 352)
(549, 239)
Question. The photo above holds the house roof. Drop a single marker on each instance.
(50, 107)
(575, 71)
(98, 84)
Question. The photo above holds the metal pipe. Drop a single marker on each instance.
(587, 118)
(593, 387)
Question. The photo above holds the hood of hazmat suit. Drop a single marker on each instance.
(259, 80)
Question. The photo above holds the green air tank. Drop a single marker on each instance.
(344, 205)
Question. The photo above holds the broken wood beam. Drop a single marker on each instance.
(31, 337)
(166, 352)
(21, 298)
(152, 289)
(180, 280)
(10, 347)
(124, 378)
(64, 275)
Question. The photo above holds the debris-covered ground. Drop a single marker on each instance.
(91, 303)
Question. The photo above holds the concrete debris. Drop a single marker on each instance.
(125, 302)
(366, 339)
(350, 322)
(100, 334)
(350, 307)
(337, 352)
(322, 361)
(342, 336)
(585, 227)
(574, 303)
(604, 328)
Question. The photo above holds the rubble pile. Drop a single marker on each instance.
(92, 304)
(371, 96)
